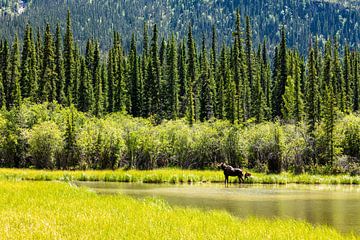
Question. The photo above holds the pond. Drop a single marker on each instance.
(334, 205)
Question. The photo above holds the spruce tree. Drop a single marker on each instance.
(172, 84)
(111, 68)
(280, 76)
(289, 100)
(145, 107)
(134, 80)
(59, 67)
(47, 84)
(14, 76)
(250, 66)
(311, 93)
(338, 80)
(299, 102)
(356, 80)
(329, 124)
(347, 81)
(2, 94)
(191, 77)
(69, 62)
(26, 63)
(86, 95)
(5, 68)
(183, 84)
(206, 90)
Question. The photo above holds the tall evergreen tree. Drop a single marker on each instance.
(69, 62)
(183, 84)
(27, 64)
(135, 92)
(191, 77)
(347, 81)
(59, 67)
(172, 85)
(2, 94)
(47, 84)
(5, 68)
(207, 85)
(329, 124)
(14, 87)
(311, 93)
(338, 80)
(281, 77)
(86, 94)
(356, 80)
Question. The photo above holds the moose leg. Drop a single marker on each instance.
(226, 180)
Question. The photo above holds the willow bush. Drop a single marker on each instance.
(50, 136)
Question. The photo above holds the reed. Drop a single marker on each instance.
(174, 176)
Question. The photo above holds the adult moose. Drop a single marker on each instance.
(230, 171)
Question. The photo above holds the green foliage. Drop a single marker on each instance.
(46, 143)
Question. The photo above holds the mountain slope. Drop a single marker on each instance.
(100, 18)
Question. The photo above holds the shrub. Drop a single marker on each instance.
(46, 143)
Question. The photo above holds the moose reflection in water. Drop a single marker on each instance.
(234, 172)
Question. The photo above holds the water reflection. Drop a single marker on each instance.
(334, 205)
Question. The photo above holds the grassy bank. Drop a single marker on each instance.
(43, 210)
(170, 176)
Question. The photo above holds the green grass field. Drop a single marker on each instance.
(170, 176)
(57, 210)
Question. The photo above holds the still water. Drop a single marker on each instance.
(336, 206)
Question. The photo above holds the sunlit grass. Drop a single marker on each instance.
(170, 176)
(53, 210)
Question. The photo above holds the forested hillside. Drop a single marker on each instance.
(100, 18)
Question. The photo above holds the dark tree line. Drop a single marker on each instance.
(169, 79)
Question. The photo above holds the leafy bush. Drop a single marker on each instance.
(46, 142)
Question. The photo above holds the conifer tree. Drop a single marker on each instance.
(2, 94)
(70, 142)
(86, 95)
(338, 80)
(222, 83)
(191, 77)
(111, 68)
(299, 102)
(172, 85)
(59, 67)
(26, 63)
(145, 108)
(5, 68)
(47, 84)
(206, 91)
(238, 80)
(154, 78)
(289, 100)
(347, 81)
(280, 76)
(97, 82)
(329, 124)
(356, 79)
(265, 77)
(104, 84)
(69, 62)
(311, 93)
(250, 65)
(14, 76)
(120, 91)
(134, 80)
(183, 84)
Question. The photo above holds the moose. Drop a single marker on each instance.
(234, 172)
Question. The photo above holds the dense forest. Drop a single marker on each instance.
(98, 19)
(220, 96)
